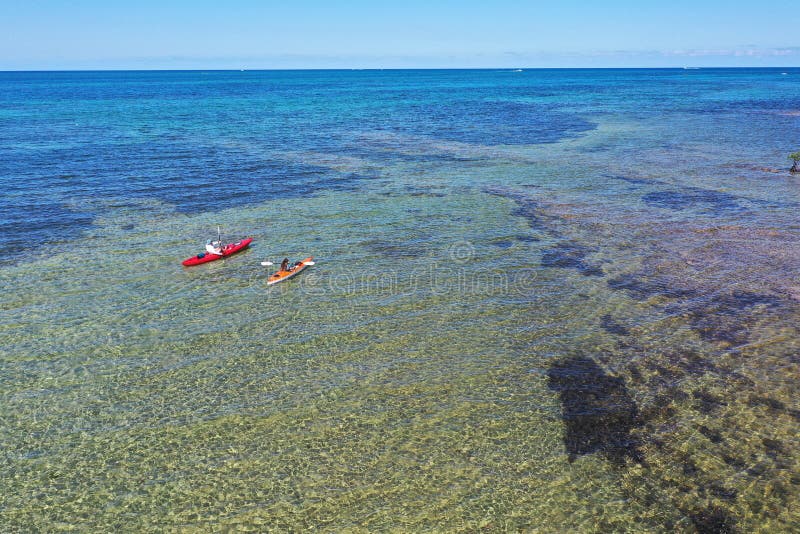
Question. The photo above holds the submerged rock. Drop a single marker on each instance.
(642, 288)
(726, 317)
(692, 197)
(713, 521)
(570, 255)
(610, 325)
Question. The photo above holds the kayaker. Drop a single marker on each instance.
(285, 264)
(214, 247)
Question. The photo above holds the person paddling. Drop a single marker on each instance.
(214, 247)
(285, 264)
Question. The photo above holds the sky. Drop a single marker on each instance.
(252, 34)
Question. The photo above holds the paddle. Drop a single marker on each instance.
(268, 263)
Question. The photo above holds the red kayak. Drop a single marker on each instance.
(227, 250)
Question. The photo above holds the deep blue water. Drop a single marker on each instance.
(194, 138)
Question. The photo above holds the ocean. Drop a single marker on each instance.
(543, 300)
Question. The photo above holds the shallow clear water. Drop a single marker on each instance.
(553, 300)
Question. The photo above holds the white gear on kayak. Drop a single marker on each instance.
(214, 247)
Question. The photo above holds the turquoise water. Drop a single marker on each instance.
(543, 300)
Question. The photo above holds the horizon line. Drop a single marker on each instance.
(302, 69)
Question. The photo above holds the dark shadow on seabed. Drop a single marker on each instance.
(597, 409)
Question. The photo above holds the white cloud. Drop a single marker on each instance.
(735, 52)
